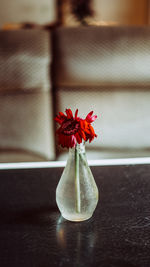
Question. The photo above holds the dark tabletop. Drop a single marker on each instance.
(33, 233)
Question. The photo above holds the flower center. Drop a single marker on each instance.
(70, 127)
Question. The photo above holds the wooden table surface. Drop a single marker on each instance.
(33, 233)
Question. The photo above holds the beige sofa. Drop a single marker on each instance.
(26, 128)
(105, 69)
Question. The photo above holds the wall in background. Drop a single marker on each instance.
(124, 12)
(133, 12)
(149, 12)
(32, 11)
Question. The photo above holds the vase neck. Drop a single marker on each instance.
(79, 147)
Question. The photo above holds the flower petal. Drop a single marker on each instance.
(62, 114)
(91, 129)
(89, 118)
(84, 136)
(57, 118)
(69, 114)
(78, 137)
(76, 113)
(82, 124)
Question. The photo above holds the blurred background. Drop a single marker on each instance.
(73, 12)
(86, 54)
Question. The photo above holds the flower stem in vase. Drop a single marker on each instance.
(77, 181)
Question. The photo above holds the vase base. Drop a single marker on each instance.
(77, 217)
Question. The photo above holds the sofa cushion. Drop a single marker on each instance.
(102, 56)
(25, 59)
(26, 111)
(26, 123)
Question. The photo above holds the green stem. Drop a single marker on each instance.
(77, 181)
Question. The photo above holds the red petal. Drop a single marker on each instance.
(78, 137)
(92, 130)
(87, 131)
(84, 136)
(62, 114)
(82, 124)
(67, 141)
(58, 119)
(69, 114)
(93, 118)
(76, 113)
(89, 117)
(90, 113)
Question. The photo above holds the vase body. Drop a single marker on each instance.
(77, 193)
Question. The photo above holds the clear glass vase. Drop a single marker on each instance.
(77, 193)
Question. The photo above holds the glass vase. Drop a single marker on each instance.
(77, 193)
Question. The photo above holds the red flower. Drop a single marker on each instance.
(73, 130)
